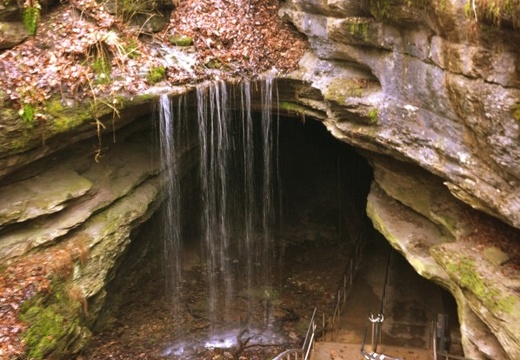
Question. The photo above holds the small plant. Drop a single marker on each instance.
(31, 16)
(359, 30)
(131, 49)
(102, 67)
(155, 74)
(27, 113)
(180, 40)
(380, 9)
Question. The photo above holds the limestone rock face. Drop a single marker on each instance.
(425, 84)
(456, 246)
(81, 214)
(12, 34)
(432, 98)
(439, 94)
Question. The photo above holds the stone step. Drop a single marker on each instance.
(341, 351)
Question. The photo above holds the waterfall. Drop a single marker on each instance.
(247, 250)
(214, 138)
(171, 209)
(238, 178)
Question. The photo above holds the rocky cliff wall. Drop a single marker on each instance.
(439, 93)
(432, 98)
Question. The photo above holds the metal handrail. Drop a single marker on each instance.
(348, 276)
(307, 346)
(377, 321)
(381, 315)
(310, 330)
(373, 355)
(291, 354)
(450, 356)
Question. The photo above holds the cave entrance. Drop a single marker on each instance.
(387, 287)
(322, 188)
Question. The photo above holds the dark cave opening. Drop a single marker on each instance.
(323, 186)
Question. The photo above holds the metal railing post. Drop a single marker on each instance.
(376, 329)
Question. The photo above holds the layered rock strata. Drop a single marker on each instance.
(426, 84)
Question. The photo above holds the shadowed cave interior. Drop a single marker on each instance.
(324, 185)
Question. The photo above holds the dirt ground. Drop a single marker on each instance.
(147, 326)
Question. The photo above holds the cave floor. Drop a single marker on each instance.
(410, 304)
(146, 327)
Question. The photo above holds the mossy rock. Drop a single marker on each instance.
(55, 326)
(293, 108)
(66, 118)
(156, 74)
(466, 273)
(180, 40)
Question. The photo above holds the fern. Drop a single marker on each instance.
(31, 16)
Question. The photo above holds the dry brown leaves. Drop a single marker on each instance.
(238, 37)
(18, 283)
(29, 277)
(489, 232)
(245, 36)
(59, 60)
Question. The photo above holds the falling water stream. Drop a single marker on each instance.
(238, 197)
(169, 139)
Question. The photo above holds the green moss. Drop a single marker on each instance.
(372, 115)
(483, 289)
(214, 64)
(156, 74)
(297, 109)
(516, 111)
(46, 329)
(102, 67)
(54, 324)
(359, 30)
(66, 118)
(292, 107)
(31, 17)
(27, 113)
(54, 106)
(180, 40)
